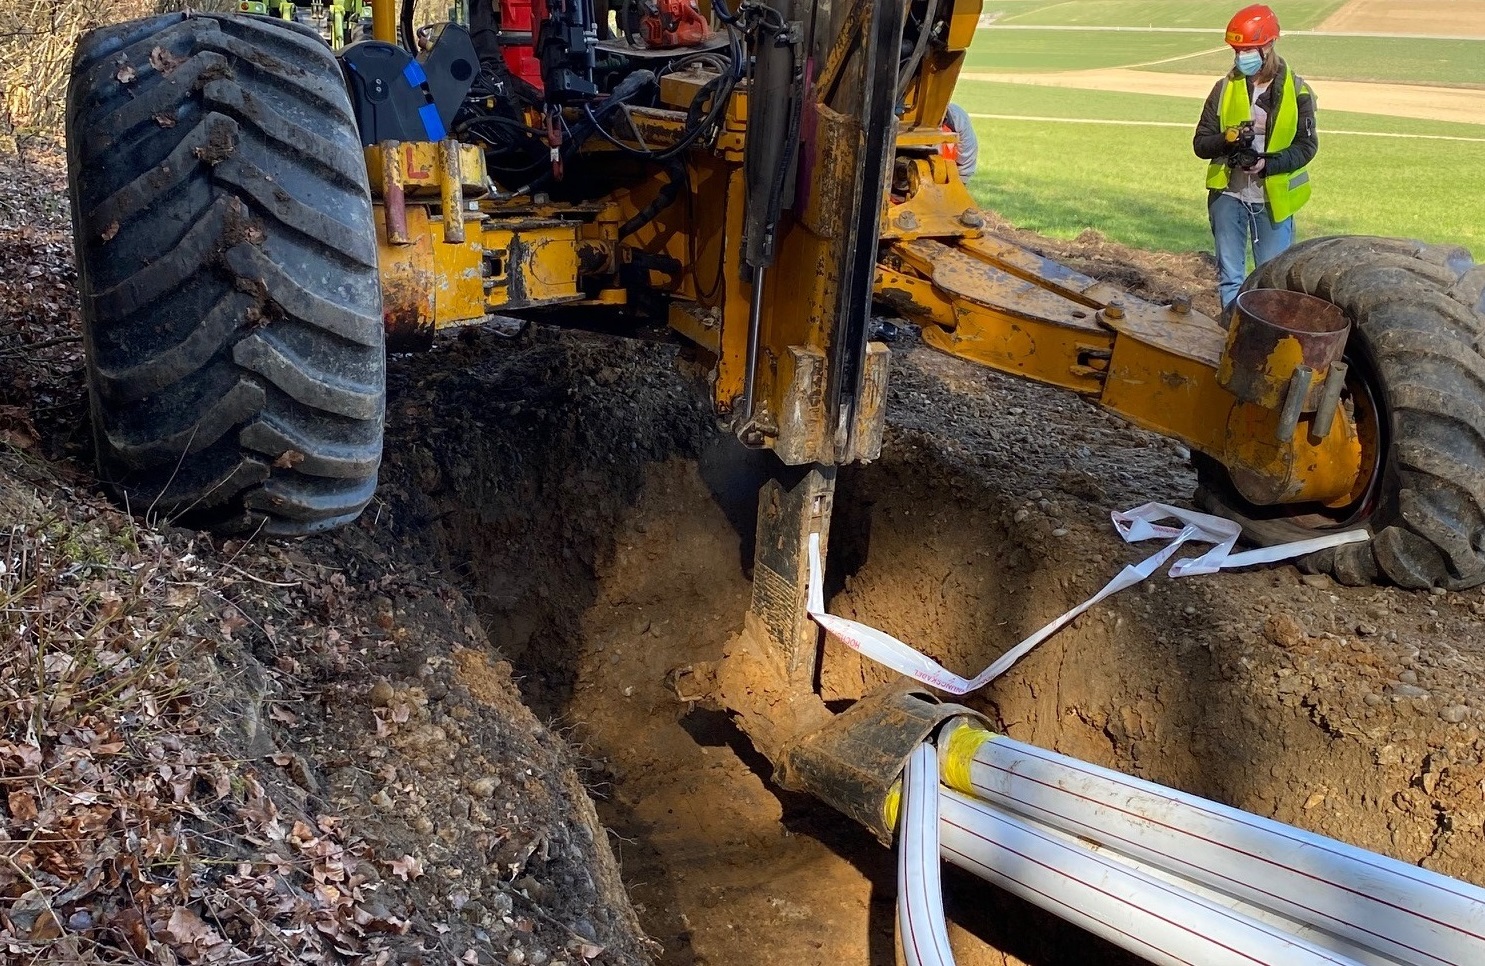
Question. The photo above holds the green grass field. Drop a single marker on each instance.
(1391, 60)
(1033, 101)
(1142, 186)
(1047, 167)
(1395, 60)
(1028, 51)
(1293, 14)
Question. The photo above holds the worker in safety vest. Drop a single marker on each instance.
(964, 148)
(1258, 131)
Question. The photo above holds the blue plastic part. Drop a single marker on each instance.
(432, 123)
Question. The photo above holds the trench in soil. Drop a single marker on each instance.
(604, 531)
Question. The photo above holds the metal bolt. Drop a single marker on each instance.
(1113, 311)
(972, 219)
(907, 221)
(1182, 305)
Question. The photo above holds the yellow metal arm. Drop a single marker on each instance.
(1160, 367)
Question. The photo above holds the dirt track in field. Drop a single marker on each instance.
(1445, 18)
(1397, 100)
(1441, 18)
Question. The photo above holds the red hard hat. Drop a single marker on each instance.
(1254, 26)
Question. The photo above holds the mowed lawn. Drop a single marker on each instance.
(1398, 60)
(1137, 182)
(1027, 51)
(1047, 166)
(1294, 14)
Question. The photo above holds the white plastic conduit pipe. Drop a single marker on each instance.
(921, 930)
(1142, 912)
(1302, 930)
(1164, 924)
(1402, 912)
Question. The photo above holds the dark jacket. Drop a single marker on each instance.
(1209, 144)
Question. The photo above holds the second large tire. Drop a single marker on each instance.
(228, 267)
(1417, 313)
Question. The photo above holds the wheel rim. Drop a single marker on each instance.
(1363, 398)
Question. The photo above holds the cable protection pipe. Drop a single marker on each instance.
(921, 930)
(1402, 912)
(1153, 919)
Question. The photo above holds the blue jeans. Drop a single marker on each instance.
(1234, 224)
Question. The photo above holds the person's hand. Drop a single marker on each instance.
(1256, 167)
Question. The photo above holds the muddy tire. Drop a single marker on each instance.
(228, 267)
(1417, 314)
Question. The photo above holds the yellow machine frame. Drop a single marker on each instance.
(452, 253)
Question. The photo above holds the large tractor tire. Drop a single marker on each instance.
(1417, 391)
(228, 266)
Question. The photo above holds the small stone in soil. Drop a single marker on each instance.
(381, 694)
(1283, 630)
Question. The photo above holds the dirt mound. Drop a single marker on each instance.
(245, 751)
(604, 531)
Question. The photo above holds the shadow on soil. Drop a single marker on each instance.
(604, 530)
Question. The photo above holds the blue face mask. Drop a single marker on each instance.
(1249, 61)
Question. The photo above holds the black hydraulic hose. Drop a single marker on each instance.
(409, 39)
(675, 172)
(590, 121)
(906, 77)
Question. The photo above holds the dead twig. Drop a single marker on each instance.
(43, 344)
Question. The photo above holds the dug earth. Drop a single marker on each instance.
(455, 712)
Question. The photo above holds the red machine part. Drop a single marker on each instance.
(522, 17)
(674, 23)
(950, 148)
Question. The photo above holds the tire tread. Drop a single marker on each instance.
(227, 156)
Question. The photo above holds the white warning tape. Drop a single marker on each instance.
(1135, 525)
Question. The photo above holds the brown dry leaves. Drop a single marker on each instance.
(127, 833)
(164, 61)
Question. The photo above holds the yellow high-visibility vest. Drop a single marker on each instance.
(1286, 193)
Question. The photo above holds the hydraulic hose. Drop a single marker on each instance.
(675, 173)
(409, 38)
